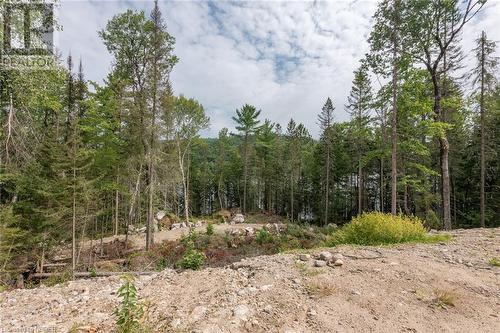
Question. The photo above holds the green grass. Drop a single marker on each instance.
(384, 229)
(495, 262)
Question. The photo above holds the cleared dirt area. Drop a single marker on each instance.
(448, 287)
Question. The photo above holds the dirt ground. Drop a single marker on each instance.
(407, 288)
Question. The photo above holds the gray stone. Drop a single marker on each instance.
(319, 263)
(338, 262)
(325, 255)
(241, 311)
(338, 256)
(238, 218)
(304, 257)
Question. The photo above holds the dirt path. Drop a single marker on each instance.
(388, 289)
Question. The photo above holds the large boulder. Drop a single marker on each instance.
(238, 218)
(160, 215)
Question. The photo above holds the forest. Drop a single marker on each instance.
(79, 159)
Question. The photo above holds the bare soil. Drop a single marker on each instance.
(406, 288)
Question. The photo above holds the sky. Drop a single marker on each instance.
(283, 57)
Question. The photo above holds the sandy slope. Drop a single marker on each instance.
(389, 289)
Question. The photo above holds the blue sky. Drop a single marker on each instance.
(284, 57)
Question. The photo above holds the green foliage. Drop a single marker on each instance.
(192, 259)
(494, 262)
(263, 236)
(210, 229)
(130, 311)
(58, 278)
(190, 238)
(432, 221)
(378, 228)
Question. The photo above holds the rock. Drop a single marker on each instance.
(238, 218)
(319, 263)
(249, 231)
(338, 262)
(304, 257)
(355, 292)
(175, 323)
(268, 309)
(241, 311)
(312, 312)
(198, 312)
(325, 255)
(160, 215)
(338, 256)
(175, 226)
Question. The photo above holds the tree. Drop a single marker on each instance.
(248, 125)
(430, 27)
(187, 119)
(325, 119)
(484, 79)
(384, 40)
(266, 138)
(360, 103)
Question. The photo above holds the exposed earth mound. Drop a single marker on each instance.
(450, 287)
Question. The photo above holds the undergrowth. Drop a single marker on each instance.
(209, 249)
(383, 229)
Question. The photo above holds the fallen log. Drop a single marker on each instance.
(91, 274)
(61, 264)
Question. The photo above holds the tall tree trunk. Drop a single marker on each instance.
(381, 184)
(360, 188)
(394, 171)
(116, 208)
(327, 190)
(245, 174)
(483, 158)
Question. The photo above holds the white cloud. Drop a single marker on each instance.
(285, 57)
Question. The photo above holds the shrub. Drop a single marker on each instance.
(432, 220)
(190, 238)
(263, 236)
(210, 229)
(379, 228)
(192, 259)
(130, 311)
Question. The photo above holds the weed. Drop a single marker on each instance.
(444, 298)
(130, 311)
(57, 278)
(305, 270)
(495, 262)
(320, 289)
(210, 229)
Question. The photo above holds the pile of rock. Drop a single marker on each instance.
(180, 225)
(247, 231)
(324, 258)
(135, 230)
(238, 218)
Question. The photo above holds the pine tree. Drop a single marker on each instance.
(248, 124)
(484, 79)
(325, 119)
(360, 104)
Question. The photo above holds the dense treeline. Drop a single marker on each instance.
(78, 159)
